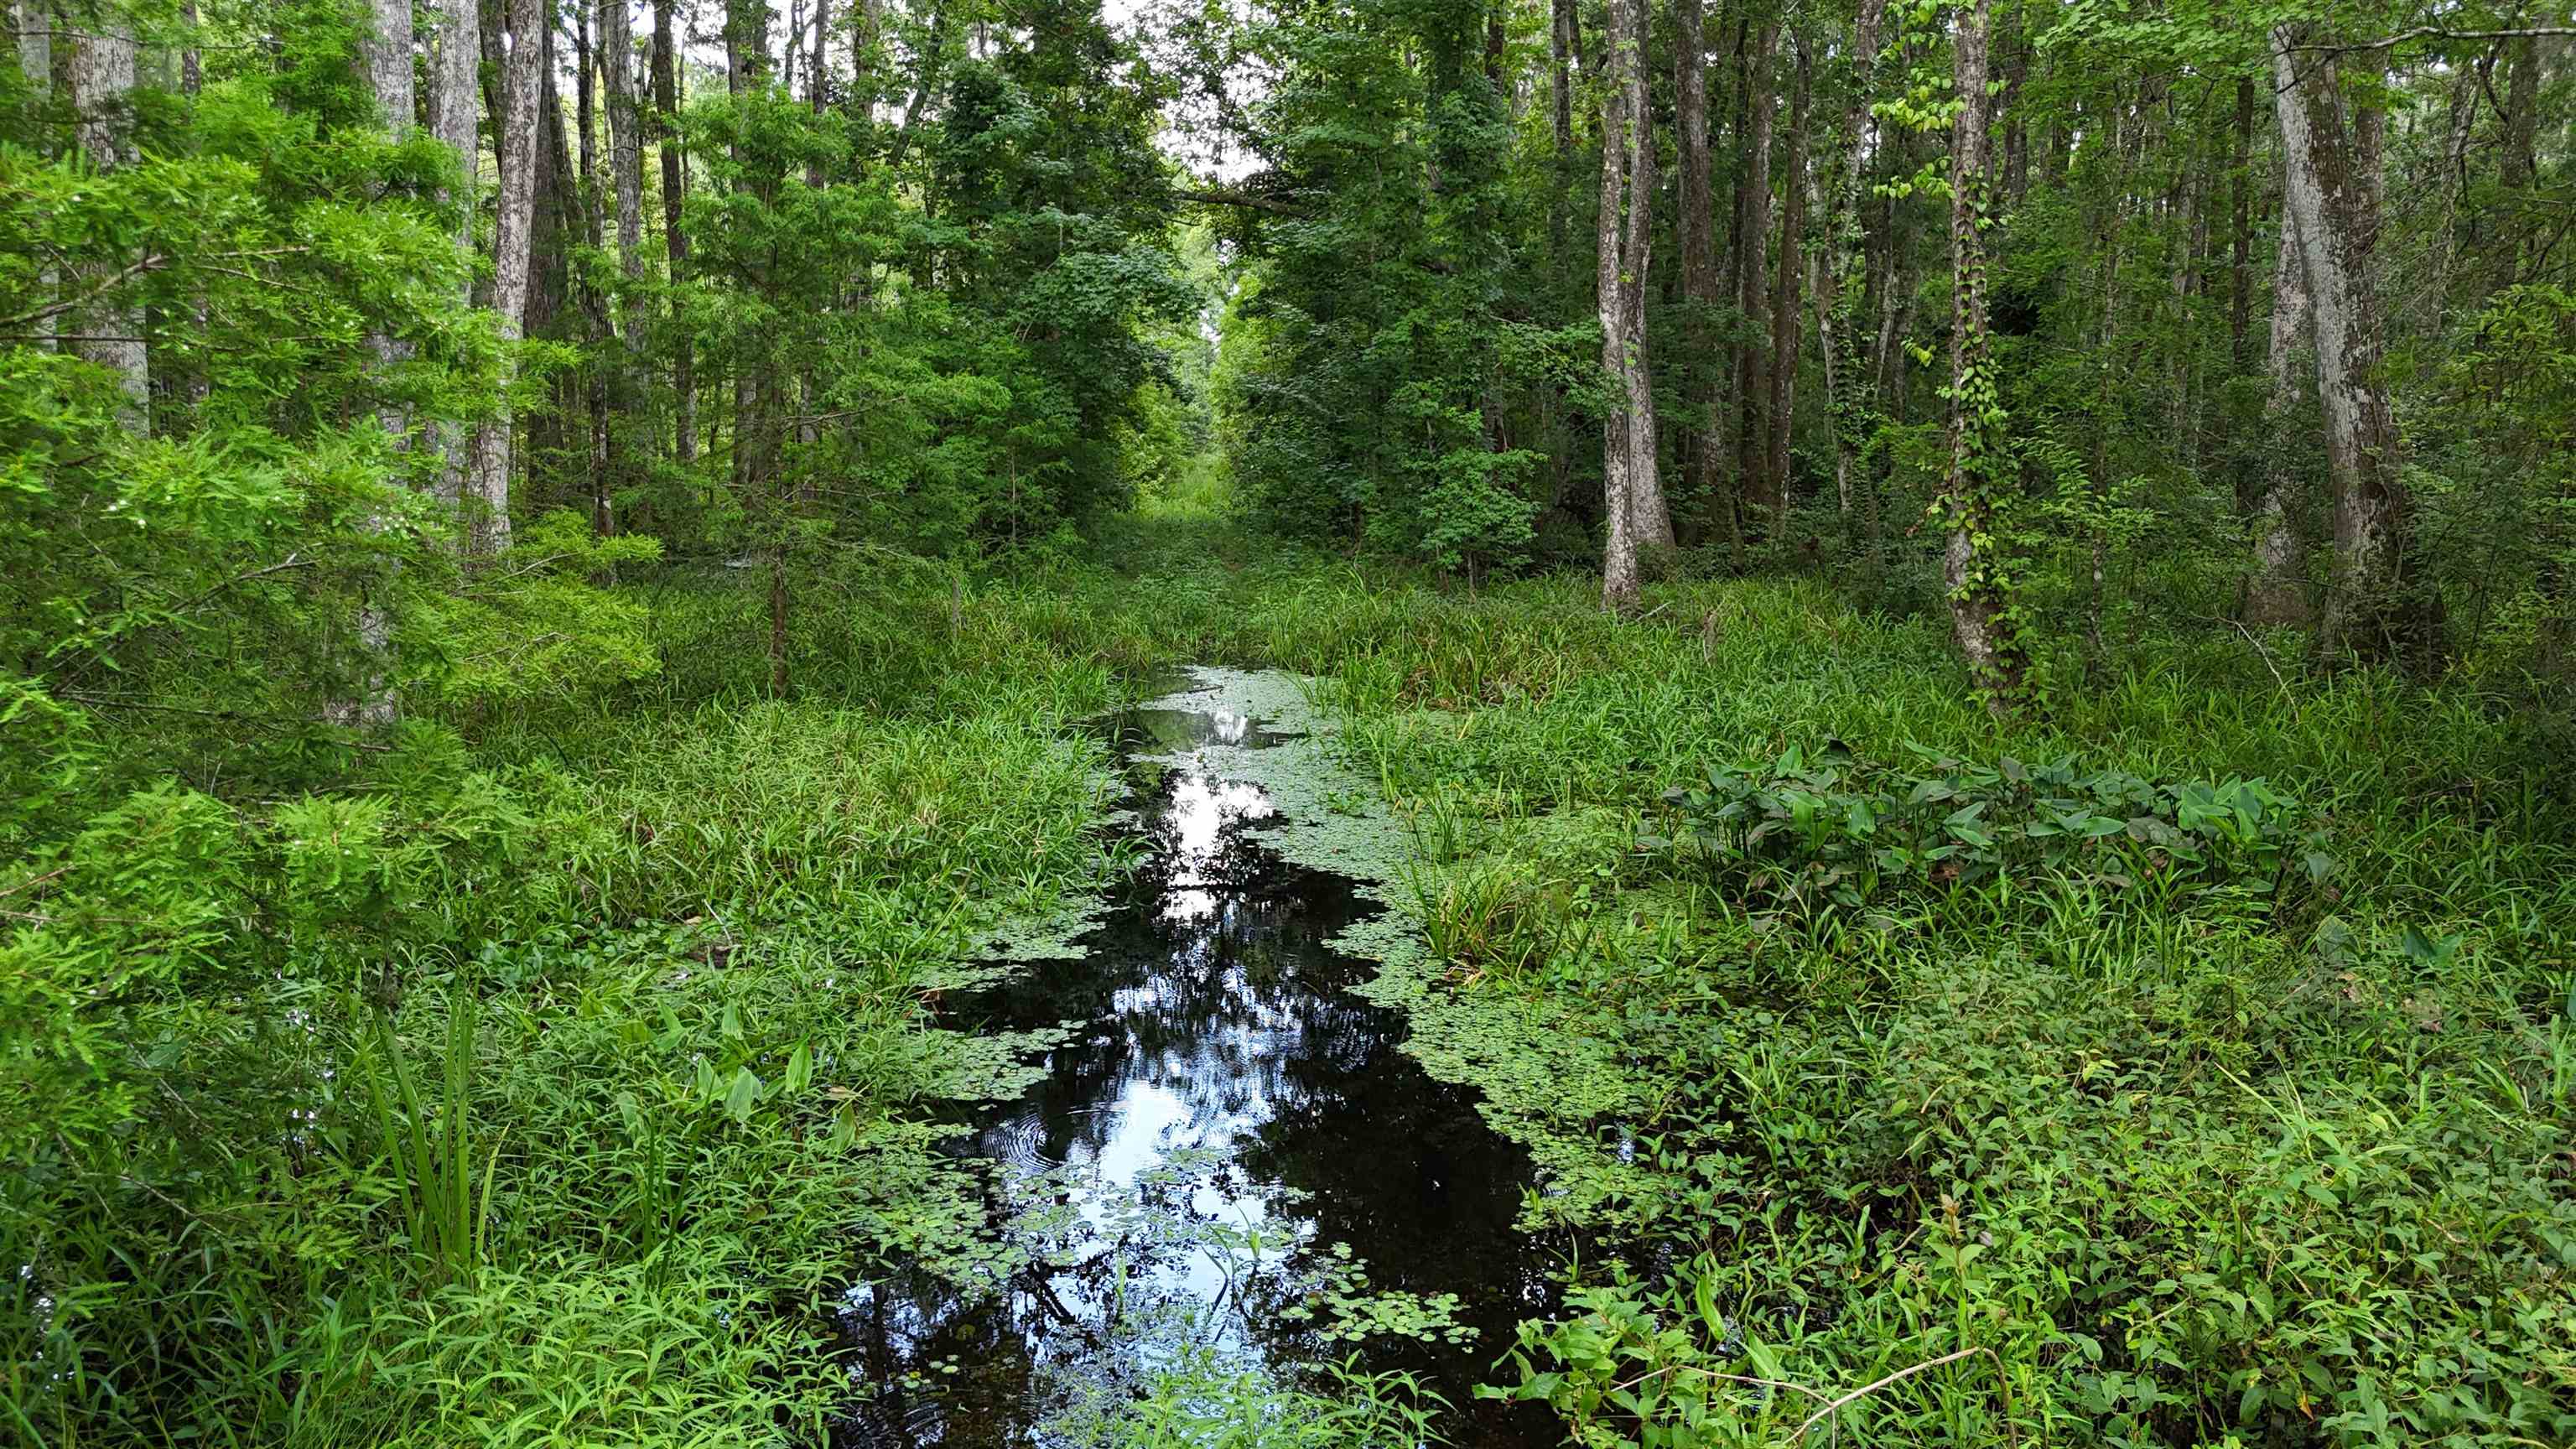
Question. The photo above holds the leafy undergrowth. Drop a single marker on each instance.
(2210, 1084)
(536, 1083)
(535, 1089)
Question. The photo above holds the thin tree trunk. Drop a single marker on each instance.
(1753, 228)
(626, 173)
(519, 138)
(2276, 592)
(2240, 260)
(2331, 153)
(1619, 572)
(389, 74)
(1840, 276)
(35, 25)
(1972, 561)
(1697, 224)
(675, 242)
(626, 161)
(112, 329)
(453, 93)
(1650, 522)
(1785, 310)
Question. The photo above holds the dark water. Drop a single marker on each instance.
(1226, 1131)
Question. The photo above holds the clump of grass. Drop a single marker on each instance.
(2120, 1159)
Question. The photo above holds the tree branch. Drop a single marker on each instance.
(2435, 32)
(1237, 198)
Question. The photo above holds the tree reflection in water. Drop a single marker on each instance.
(1200, 1152)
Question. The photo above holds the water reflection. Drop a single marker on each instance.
(1223, 1135)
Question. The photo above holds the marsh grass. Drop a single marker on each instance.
(2161, 1168)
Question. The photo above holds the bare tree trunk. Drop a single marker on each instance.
(1972, 562)
(1785, 309)
(519, 138)
(1697, 224)
(1650, 522)
(34, 22)
(2331, 152)
(1621, 275)
(2518, 164)
(112, 330)
(1753, 229)
(453, 92)
(2276, 593)
(626, 176)
(2240, 260)
(675, 242)
(388, 51)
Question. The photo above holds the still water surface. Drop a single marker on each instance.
(1223, 1133)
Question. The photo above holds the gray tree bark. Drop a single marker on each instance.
(2330, 149)
(522, 79)
(112, 329)
(1631, 497)
(1753, 229)
(2276, 592)
(454, 86)
(34, 22)
(675, 242)
(389, 75)
(1785, 308)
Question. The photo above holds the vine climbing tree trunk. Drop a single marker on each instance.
(1973, 563)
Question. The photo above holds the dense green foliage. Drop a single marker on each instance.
(455, 992)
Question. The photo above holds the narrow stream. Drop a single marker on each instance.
(1225, 1139)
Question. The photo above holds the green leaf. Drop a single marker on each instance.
(743, 1095)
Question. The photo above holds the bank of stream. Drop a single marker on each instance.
(1230, 1168)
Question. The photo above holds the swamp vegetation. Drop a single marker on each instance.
(1007, 722)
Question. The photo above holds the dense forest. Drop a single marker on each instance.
(1956, 620)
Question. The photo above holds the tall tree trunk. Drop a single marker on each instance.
(1650, 522)
(1697, 224)
(1753, 228)
(1840, 276)
(2276, 592)
(675, 242)
(2240, 259)
(111, 331)
(1785, 309)
(1630, 496)
(1973, 560)
(389, 74)
(454, 88)
(35, 26)
(626, 162)
(626, 177)
(2518, 164)
(2331, 152)
(520, 138)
